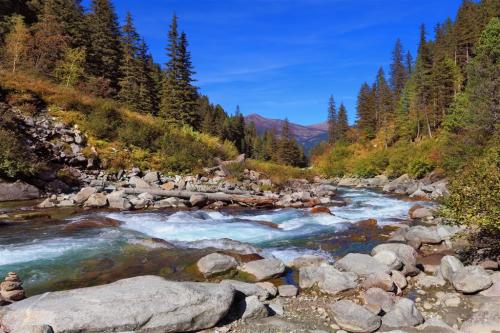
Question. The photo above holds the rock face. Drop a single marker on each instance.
(216, 263)
(471, 279)
(264, 269)
(327, 278)
(163, 306)
(403, 313)
(354, 318)
(11, 290)
(17, 191)
(361, 264)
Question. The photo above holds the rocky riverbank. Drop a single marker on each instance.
(413, 283)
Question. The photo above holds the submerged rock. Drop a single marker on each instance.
(140, 304)
(224, 244)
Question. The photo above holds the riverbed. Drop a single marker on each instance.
(62, 253)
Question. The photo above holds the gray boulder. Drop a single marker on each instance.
(361, 264)
(403, 313)
(264, 269)
(353, 317)
(198, 200)
(327, 278)
(389, 258)
(308, 260)
(471, 279)
(288, 290)
(18, 190)
(117, 200)
(423, 235)
(379, 280)
(151, 177)
(96, 200)
(138, 182)
(449, 266)
(421, 213)
(216, 263)
(250, 289)
(253, 308)
(140, 304)
(405, 253)
(380, 298)
(487, 319)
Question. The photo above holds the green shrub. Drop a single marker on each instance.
(418, 168)
(475, 193)
(139, 134)
(372, 165)
(337, 161)
(104, 121)
(15, 160)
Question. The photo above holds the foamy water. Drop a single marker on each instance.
(274, 230)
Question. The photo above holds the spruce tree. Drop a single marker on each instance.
(171, 99)
(130, 68)
(188, 93)
(398, 71)
(149, 89)
(366, 111)
(104, 51)
(342, 124)
(332, 121)
(423, 80)
(409, 63)
(70, 14)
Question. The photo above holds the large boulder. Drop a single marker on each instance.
(399, 185)
(421, 213)
(252, 308)
(327, 278)
(353, 317)
(18, 190)
(96, 200)
(251, 289)
(308, 260)
(471, 279)
(389, 258)
(423, 235)
(361, 264)
(140, 304)
(449, 266)
(379, 298)
(405, 253)
(216, 263)
(403, 313)
(264, 269)
(487, 319)
(84, 194)
(117, 200)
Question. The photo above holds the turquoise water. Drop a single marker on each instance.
(48, 255)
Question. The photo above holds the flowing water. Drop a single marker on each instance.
(53, 254)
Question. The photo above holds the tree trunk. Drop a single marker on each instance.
(218, 196)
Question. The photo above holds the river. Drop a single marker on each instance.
(54, 254)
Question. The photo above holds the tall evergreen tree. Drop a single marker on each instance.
(342, 124)
(188, 92)
(70, 14)
(366, 121)
(104, 51)
(423, 77)
(398, 71)
(409, 63)
(149, 81)
(332, 120)
(130, 68)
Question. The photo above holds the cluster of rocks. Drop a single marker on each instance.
(139, 190)
(431, 187)
(11, 289)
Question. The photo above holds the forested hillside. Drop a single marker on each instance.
(88, 70)
(437, 112)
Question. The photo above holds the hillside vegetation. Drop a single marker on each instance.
(439, 113)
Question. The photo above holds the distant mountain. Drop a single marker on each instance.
(308, 136)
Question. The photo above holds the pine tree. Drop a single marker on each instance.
(409, 63)
(149, 89)
(342, 124)
(332, 121)
(17, 43)
(188, 92)
(423, 79)
(49, 42)
(70, 14)
(366, 111)
(171, 100)
(104, 51)
(130, 67)
(398, 72)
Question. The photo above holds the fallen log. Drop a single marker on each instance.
(217, 196)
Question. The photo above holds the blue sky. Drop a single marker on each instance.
(283, 58)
